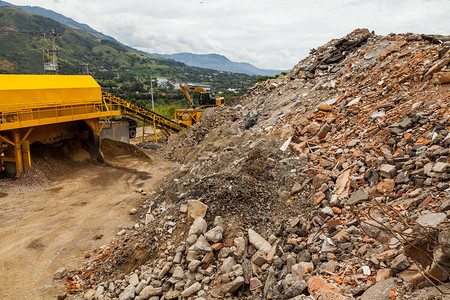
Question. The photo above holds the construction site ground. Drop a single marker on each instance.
(61, 211)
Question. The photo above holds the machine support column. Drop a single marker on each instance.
(18, 152)
(93, 124)
(154, 130)
(26, 155)
(143, 131)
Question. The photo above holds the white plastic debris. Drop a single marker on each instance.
(366, 270)
(286, 144)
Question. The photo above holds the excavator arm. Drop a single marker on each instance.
(184, 89)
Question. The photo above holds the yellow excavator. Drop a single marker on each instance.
(190, 116)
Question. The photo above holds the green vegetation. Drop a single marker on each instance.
(166, 111)
(123, 71)
(264, 78)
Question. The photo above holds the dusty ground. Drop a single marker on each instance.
(46, 228)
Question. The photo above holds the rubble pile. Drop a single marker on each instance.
(338, 190)
(249, 182)
(180, 146)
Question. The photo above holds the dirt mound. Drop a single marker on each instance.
(40, 174)
(113, 150)
(47, 163)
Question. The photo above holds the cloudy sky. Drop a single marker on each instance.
(269, 34)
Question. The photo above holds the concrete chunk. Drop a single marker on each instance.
(440, 167)
(134, 279)
(59, 274)
(129, 293)
(198, 227)
(357, 197)
(234, 285)
(258, 241)
(196, 209)
(432, 219)
(191, 290)
(388, 171)
(379, 290)
(165, 270)
(150, 291)
(214, 235)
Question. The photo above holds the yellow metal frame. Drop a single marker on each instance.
(21, 148)
(36, 100)
(24, 117)
(193, 116)
(30, 101)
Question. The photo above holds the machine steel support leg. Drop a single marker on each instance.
(143, 131)
(93, 124)
(26, 155)
(154, 130)
(18, 152)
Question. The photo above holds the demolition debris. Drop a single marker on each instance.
(356, 206)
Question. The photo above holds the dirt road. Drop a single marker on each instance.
(45, 229)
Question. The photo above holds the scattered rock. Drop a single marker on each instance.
(432, 219)
(60, 273)
(379, 290)
(258, 241)
(128, 294)
(234, 285)
(357, 197)
(150, 291)
(388, 171)
(196, 209)
(194, 288)
(198, 227)
(214, 235)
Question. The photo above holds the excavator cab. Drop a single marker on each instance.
(206, 100)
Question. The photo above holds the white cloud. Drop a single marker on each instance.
(269, 34)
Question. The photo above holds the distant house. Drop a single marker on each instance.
(166, 83)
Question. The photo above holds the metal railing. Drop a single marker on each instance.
(35, 114)
(141, 113)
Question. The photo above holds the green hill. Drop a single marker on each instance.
(59, 18)
(22, 41)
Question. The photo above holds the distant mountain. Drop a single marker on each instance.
(218, 62)
(22, 44)
(208, 61)
(60, 18)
